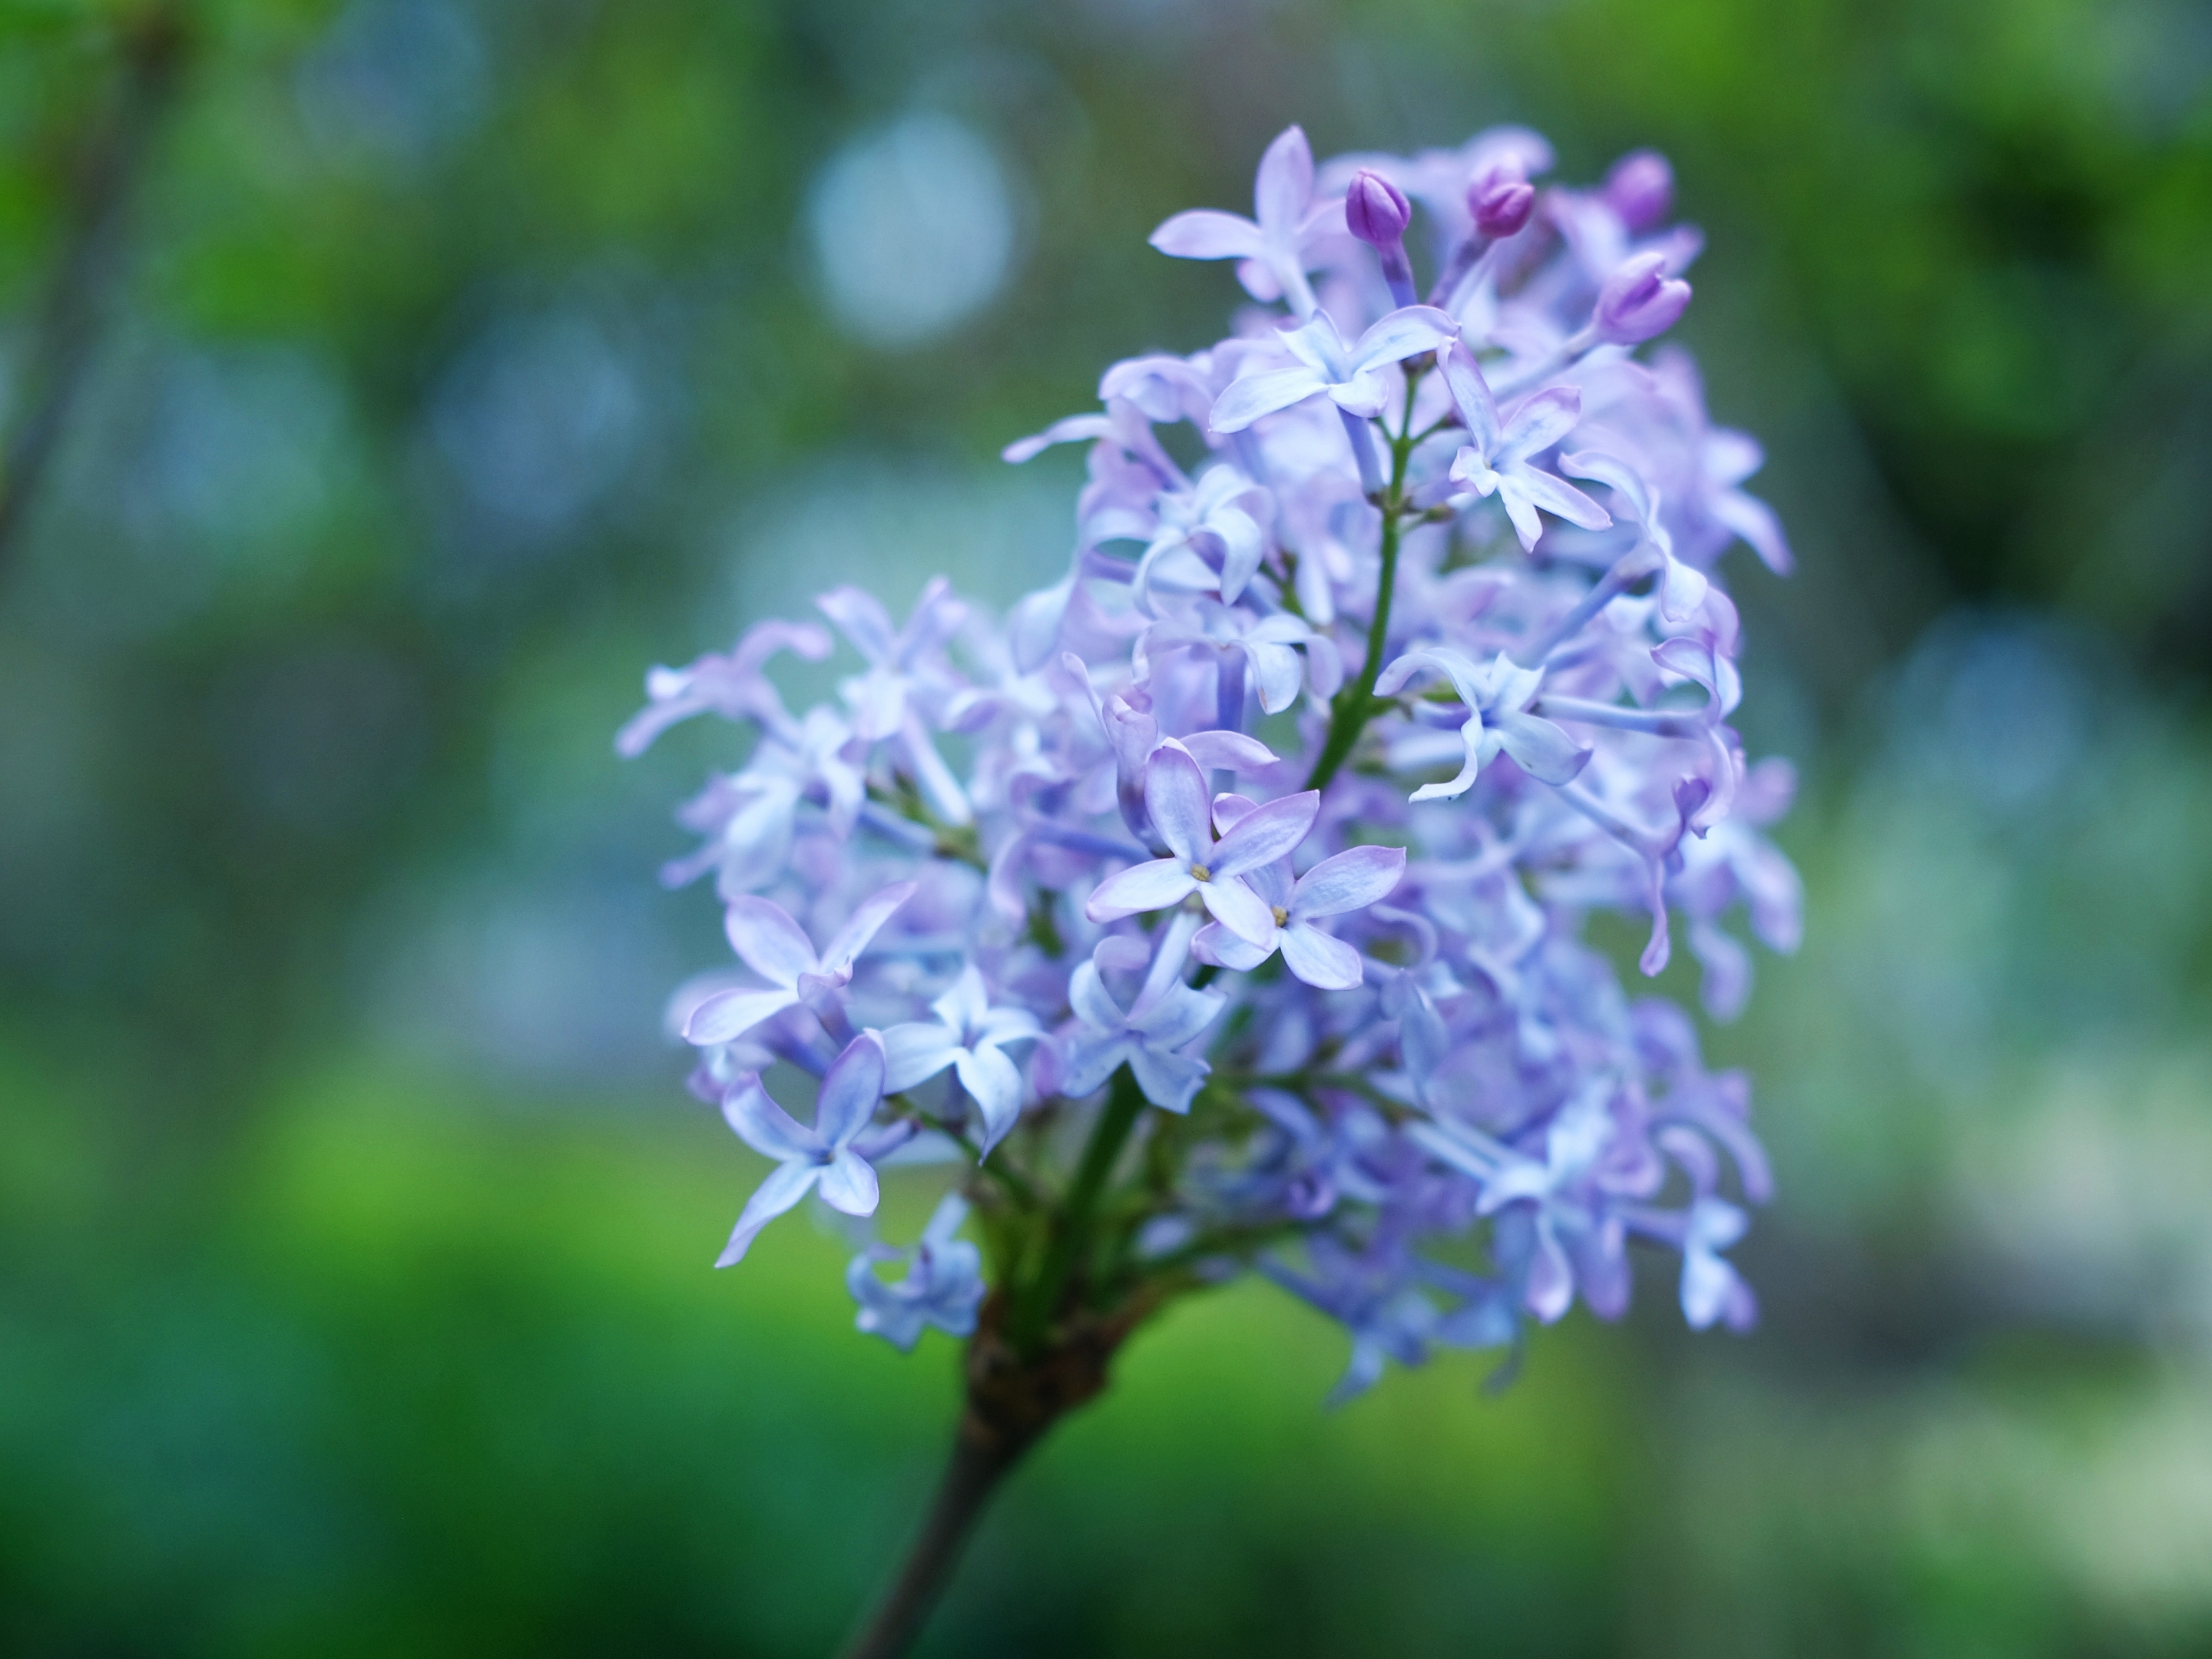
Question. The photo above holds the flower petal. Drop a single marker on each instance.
(1350, 880)
(786, 1185)
(1541, 749)
(1168, 1080)
(1275, 674)
(1519, 508)
(850, 1089)
(1180, 1015)
(767, 940)
(1175, 796)
(1471, 738)
(860, 617)
(1754, 521)
(963, 1005)
(1140, 889)
(1087, 996)
(1284, 184)
(1238, 909)
(1266, 834)
(1471, 392)
(1209, 233)
(766, 1126)
(1538, 423)
(1228, 752)
(1247, 399)
(1217, 945)
(915, 1053)
(1242, 542)
(849, 1184)
(1323, 962)
(1003, 1025)
(1091, 1061)
(994, 1083)
(730, 1014)
(1557, 495)
(873, 912)
(1406, 331)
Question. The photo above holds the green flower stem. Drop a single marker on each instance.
(1354, 706)
(1071, 1233)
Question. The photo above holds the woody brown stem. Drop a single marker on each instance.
(1014, 1399)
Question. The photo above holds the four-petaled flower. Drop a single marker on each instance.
(1274, 245)
(1243, 643)
(1350, 880)
(1351, 374)
(1150, 1037)
(883, 700)
(1210, 523)
(777, 948)
(943, 1286)
(1175, 796)
(805, 1158)
(969, 1036)
(730, 685)
(1495, 461)
(1573, 1242)
(1496, 698)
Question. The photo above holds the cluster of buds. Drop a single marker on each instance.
(1222, 907)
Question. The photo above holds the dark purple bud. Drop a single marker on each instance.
(1501, 204)
(1376, 211)
(1640, 188)
(1638, 300)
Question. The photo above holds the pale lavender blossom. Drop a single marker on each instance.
(1496, 696)
(1496, 458)
(1352, 375)
(806, 1158)
(1175, 796)
(1345, 881)
(777, 948)
(1274, 246)
(970, 1036)
(943, 1286)
(1152, 1036)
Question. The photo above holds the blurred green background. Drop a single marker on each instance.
(458, 358)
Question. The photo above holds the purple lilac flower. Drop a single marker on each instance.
(1341, 884)
(1640, 188)
(1638, 301)
(1352, 375)
(1465, 561)
(1175, 796)
(943, 1286)
(777, 948)
(806, 1158)
(1377, 212)
(1275, 245)
(1500, 204)
(970, 1036)
(1152, 1037)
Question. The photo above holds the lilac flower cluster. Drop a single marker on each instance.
(1223, 905)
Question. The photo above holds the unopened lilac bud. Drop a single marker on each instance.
(1376, 211)
(1501, 204)
(1640, 188)
(1638, 300)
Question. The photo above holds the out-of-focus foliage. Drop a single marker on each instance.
(470, 355)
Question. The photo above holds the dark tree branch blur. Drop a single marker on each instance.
(153, 44)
